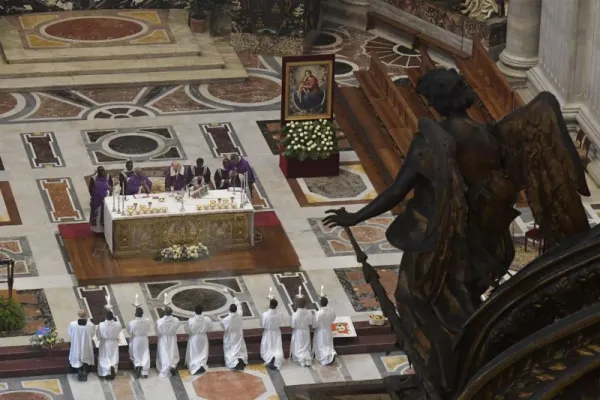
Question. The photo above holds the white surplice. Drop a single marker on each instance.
(234, 345)
(167, 354)
(196, 353)
(108, 350)
(82, 348)
(323, 338)
(139, 352)
(300, 350)
(270, 344)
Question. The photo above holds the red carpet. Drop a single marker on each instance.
(266, 218)
(74, 231)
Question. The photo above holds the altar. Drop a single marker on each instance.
(220, 220)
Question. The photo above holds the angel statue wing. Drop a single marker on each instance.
(540, 157)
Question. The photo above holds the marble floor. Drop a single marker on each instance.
(51, 141)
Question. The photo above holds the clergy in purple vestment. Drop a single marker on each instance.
(239, 166)
(101, 188)
(138, 183)
(175, 177)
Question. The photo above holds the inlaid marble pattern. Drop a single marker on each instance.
(222, 139)
(80, 29)
(290, 284)
(17, 248)
(359, 292)
(42, 150)
(183, 296)
(395, 363)
(60, 200)
(9, 213)
(158, 143)
(220, 383)
(271, 130)
(351, 186)
(370, 235)
(37, 312)
(51, 387)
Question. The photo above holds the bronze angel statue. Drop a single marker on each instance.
(454, 231)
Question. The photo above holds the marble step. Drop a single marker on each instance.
(21, 56)
(126, 79)
(110, 66)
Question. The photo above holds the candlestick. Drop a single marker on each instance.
(270, 296)
(322, 291)
(166, 300)
(108, 306)
(136, 303)
(299, 291)
(114, 201)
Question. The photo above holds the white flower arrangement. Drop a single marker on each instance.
(314, 139)
(45, 338)
(184, 252)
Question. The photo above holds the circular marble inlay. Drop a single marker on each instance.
(365, 234)
(133, 144)
(94, 29)
(256, 89)
(342, 68)
(344, 186)
(188, 299)
(119, 112)
(7, 103)
(324, 39)
(217, 385)
(24, 396)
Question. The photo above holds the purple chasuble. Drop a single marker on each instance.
(174, 180)
(100, 190)
(241, 168)
(134, 183)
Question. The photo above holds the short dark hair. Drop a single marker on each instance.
(198, 309)
(273, 304)
(200, 160)
(324, 301)
(139, 312)
(232, 308)
(168, 311)
(301, 302)
(110, 316)
(446, 90)
(129, 163)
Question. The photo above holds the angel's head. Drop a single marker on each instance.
(446, 91)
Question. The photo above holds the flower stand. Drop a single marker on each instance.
(295, 168)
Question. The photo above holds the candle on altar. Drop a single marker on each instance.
(114, 200)
(322, 291)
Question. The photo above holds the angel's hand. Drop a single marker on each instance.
(339, 217)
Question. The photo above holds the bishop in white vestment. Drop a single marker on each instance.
(196, 353)
(81, 354)
(323, 338)
(139, 352)
(108, 351)
(271, 347)
(167, 354)
(302, 319)
(234, 345)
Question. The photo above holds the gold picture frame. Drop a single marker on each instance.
(307, 87)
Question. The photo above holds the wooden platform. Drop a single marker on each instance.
(93, 266)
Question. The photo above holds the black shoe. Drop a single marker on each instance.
(271, 364)
(82, 373)
(173, 371)
(240, 365)
(113, 374)
(200, 371)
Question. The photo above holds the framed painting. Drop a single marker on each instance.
(307, 86)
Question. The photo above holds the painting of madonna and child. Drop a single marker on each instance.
(308, 87)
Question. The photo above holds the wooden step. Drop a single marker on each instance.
(126, 79)
(110, 66)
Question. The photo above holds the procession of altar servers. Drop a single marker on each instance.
(82, 332)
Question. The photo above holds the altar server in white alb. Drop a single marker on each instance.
(271, 347)
(196, 354)
(167, 354)
(81, 355)
(302, 319)
(108, 351)
(234, 345)
(323, 337)
(139, 352)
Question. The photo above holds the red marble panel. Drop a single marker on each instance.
(93, 29)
